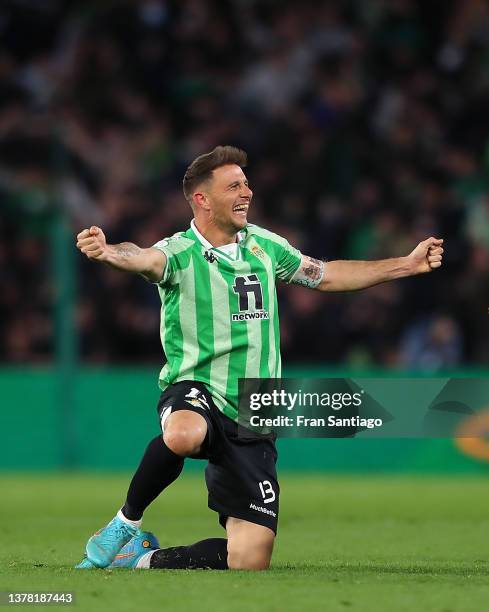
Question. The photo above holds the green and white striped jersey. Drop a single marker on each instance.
(219, 313)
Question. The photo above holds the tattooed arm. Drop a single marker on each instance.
(126, 256)
(310, 273)
(351, 275)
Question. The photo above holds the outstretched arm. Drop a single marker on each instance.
(353, 275)
(126, 256)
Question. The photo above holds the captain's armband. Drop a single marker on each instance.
(310, 273)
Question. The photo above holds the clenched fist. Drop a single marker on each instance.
(427, 256)
(92, 242)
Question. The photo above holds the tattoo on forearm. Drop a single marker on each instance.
(310, 272)
(127, 249)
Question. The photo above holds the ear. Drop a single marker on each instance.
(200, 200)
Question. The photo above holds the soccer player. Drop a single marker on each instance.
(219, 323)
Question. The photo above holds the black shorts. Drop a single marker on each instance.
(241, 475)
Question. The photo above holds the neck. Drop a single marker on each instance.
(215, 235)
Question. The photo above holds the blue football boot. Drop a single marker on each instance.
(104, 545)
(142, 543)
(85, 564)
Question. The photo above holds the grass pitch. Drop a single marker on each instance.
(345, 543)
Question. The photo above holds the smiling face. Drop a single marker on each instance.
(224, 199)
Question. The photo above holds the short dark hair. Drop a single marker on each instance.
(202, 167)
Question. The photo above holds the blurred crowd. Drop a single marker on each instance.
(367, 130)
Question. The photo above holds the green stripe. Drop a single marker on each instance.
(204, 323)
(188, 323)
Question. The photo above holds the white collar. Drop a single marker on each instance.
(206, 243)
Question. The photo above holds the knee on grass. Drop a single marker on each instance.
(253, 560)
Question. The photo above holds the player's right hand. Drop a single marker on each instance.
(92, 242)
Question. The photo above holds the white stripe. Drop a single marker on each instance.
(164, 370)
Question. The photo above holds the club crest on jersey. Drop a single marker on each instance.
(260, 253)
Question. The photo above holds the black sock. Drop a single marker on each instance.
(206, 554)
(159, 467)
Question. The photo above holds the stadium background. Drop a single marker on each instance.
(367, 130)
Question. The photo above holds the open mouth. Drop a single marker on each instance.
(240, 209)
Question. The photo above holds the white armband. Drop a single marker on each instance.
(310, 273)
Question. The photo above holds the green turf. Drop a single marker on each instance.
(358, 543)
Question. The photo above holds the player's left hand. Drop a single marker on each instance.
(427, 256)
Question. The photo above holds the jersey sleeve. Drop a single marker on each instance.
(288, 260)
(173, 248)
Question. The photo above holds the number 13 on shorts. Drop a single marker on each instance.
(267, 491)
